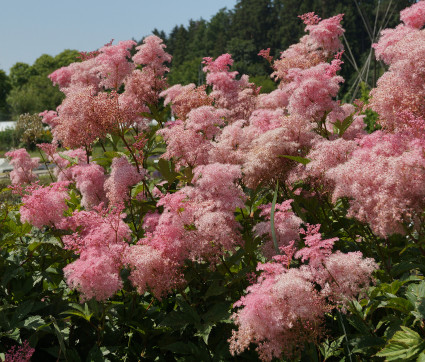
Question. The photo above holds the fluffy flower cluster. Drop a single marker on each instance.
(320, 44)
(238, 96)
(378, 194)
(44, 206)
(197, 223)
(89, 180)
(399, 93)
(286, 306)
(100, 240)
(23, 166)
(123, 175)
(88, 113)
(142, 87)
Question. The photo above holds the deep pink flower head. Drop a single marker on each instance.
(262, 162)
(113, 63)
(85, 116)
(142, 89)
(414, 16)
(23, 165)
(185, 146)
(265, 119)
(123, 175)
(206, 120)
(44, 206)
(19, 353)
(400, 90)
(312, 90)
(237, 96)
(152, 54)
(183, 99)
(221, 64)
(386, 49)
(233, 143)
(345, 276)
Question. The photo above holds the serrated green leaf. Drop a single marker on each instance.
(405, 345)
(416, 295)
(397, 303)
(331, 349)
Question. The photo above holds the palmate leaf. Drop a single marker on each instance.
(405, 345)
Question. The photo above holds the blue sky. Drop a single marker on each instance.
(30, 28)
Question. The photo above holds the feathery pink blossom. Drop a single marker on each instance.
(123, 175)
(49, 117)
(152, 54)
(44, 206)
(89, 180)
(152, 270)
(95, 274)
(378, 195)
(23, 165)
(279, 314)
(113, 63)
(414, 16)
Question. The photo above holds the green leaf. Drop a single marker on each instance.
(60, 337)
(32, 322)
(166, 170)
(421, 357)
(416, 295)
(214, 290)
(174, 320)
(72, 160)
(95, 355)
(397, 303)
(204, 332)
(219, 311)
(341, 127)
(405, 345)
(298, 159)
(330, 349)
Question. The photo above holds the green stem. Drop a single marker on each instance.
(276, 246)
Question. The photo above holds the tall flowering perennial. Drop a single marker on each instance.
(203, 175)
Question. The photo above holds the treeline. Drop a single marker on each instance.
(27, 89)
(243, 31)
(259, 24)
